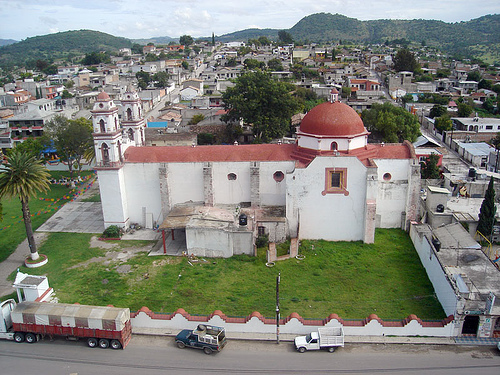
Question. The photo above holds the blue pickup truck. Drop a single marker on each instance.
(209, 338)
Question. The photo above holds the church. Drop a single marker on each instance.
(331, 184)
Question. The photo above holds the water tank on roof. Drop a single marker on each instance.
(440, 208)
(243, 219)
(437, 244)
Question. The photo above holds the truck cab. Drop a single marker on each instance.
(309, 342)
(6, 308)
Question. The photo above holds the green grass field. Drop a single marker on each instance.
(351, 279)
(42, 207)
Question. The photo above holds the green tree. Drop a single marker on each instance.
(284, 37)
(143, 79)
(464, 110)
(429, 169)
(95, 58)
(252, 64)
(393, 123)
(69, 84)
(475, 75)
(186, 40)
(136, 49)
(31, 146)
(264, 41)
(196, 119)
(485, 84)
(261, 102)
(71, 139)
(275, 65)
(443, 123)
(437, 111)
(405, 61)
(161, 79)
(23, 176)
(487, 212)
(150, 57)
(185, 65)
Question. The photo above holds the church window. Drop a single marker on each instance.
(105, 153)
(129, 114)
(130, 134)
(334, 146)
(335, 181)
(231, 177)
(102, 126)
(387, 176)
(278, 176)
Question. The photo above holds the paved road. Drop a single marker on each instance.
(147, 355)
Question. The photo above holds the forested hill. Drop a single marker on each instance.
(66, 44)
(474, 37)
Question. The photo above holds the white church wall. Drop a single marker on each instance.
(273, 193)
(185, 182)
(228, 191)
(143, 192)
(392, 191)
(113, 197)
(334, 217)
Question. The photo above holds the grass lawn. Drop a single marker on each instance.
(351, 279)
(42, 207)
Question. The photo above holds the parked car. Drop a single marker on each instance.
(328, 338)
(208, 338)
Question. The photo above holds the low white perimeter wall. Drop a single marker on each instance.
(420, 235)
(293, 324)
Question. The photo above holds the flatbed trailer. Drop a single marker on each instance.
(101, 326)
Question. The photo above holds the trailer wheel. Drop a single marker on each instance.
(104, 343)
(331, 349)
(115, 344)
(18, 337)
(31, 338)
(180, 344)
(207, 350)
(92, 342)
(302, 349)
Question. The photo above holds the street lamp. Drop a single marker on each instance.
(278, 308)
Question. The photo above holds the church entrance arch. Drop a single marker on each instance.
(471, 324)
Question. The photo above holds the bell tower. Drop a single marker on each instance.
(133, 123)
(108, 145)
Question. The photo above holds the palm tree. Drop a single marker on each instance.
(23, 176)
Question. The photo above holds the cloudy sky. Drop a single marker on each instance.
(150, 18)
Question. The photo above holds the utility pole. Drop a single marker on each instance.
(278, 308)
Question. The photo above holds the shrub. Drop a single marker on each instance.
(112, 232)
(262, 240)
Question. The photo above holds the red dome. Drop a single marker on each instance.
(332, 119)
(103, 96)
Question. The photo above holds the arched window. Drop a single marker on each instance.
(129, 114)
(334, 146)
(130, 134)
(231, 176)
(105, 153)
(102, 126)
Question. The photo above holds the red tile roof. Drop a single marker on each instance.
(187, 154)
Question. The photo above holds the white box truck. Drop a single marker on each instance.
(328, 338)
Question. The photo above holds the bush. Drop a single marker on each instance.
(262, 240)
(112, 232)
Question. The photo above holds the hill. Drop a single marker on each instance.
(5, 42)
(157, 40)
(63, 45)
(475, 38)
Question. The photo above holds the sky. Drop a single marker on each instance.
(137, 19)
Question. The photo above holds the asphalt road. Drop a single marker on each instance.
(158, 355)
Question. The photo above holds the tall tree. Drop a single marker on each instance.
(23, 176)
(186, 40)
(71, 138)
(261, 102)
(487, 212)
(284, 37)
(393, 123)
(437, 111)
(443, 123)
(405, 61)
(429, 169)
